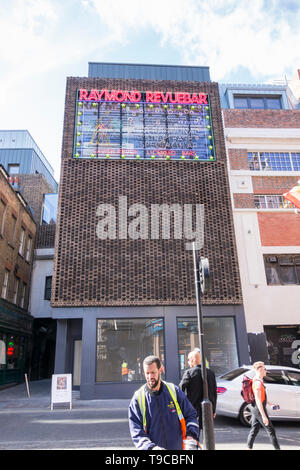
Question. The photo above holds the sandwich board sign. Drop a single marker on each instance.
(61, 389)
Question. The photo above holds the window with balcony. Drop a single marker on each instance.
(272, 201)
(274, 161)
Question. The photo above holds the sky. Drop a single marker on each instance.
(45, 41)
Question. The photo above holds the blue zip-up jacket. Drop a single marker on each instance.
(163, 426)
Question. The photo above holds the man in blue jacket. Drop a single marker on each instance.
(160, 414)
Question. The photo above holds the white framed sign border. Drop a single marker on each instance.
(61, 389)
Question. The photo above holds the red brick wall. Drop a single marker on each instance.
(243, 200)
(273, 184)
(238, 159)
(279, 229)
(262, 118)
(10, 258)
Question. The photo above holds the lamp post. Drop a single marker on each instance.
(201, 282)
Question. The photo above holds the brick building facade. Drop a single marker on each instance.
(17, 240)
(263, 148)
(109, 294)
(32, 178)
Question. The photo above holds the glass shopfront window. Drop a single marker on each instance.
(122, 345)
(220, 342)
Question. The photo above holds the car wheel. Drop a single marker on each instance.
(245, 414)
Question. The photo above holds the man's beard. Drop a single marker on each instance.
(153, 384)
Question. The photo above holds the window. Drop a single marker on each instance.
(28, 248)
(13, 168)
(273, 103)
(274, 161)
(282, 269)
(295, 156)
(257, 102)
(294, 377)
(275, 377)
(23, 295)
(49, 213)
(16, 290)
(4, 293)
(123, 344)
(48, 284)
(234, 373)
(220, 342)
(13, 229)
(240, 103)
(2, 216)
(272, 201)
(22, 241)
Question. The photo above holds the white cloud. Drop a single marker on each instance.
(219, 33)
(25, 28)
(43, 41)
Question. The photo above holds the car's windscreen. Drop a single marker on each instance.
(233, 374)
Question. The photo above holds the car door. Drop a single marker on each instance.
(280, 391)
(294, 378)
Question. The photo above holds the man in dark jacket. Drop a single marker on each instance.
(192, 384)
(160, 415)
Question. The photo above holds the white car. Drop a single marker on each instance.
(282, 387)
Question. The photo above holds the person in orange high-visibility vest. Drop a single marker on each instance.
(160, 414)
(124, 371)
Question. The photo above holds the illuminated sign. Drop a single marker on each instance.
(149, 96)
(123, 124)
(11, 348)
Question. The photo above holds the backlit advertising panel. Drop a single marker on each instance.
(118, 124)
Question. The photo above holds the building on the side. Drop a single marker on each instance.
(43, 354)
(143, 174)
(32, 177)
(20, 155)
(17, 240)
(262, 135)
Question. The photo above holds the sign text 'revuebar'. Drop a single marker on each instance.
(135, 96)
